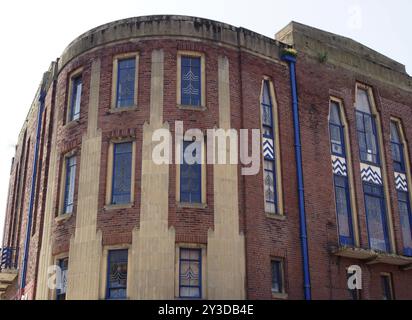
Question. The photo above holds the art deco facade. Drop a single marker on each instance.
(87, 202)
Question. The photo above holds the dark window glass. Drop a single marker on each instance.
(117, 275)
(367, 138)
(406, 221)
(76, 97)
(191, 173)
(62, 279)
(376, 217)
(69, 184)
(277, 276)
(397, 149)
(387, 290)
(122, 173)
(190, 273)
(126, 83)
(191, 81)
(343, 210)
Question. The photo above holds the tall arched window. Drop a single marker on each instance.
(340, 174)
(371, 171)
(270, 145)
(402, 176)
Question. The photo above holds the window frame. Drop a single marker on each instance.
(107, 282)
(387, 277)
(384, 218)
(200, 262)
(115, 81)
(179, 153)
(363, 133)
(277, 172)
(191, 54)
(110, 171)
(345, 241)
(63, 177)
(400, 145)
(78, 73)
(58, 262)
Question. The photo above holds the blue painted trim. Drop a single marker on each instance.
(32, 191)
(298, 151)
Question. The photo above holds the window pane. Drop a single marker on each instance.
(191, 81)
(406, 221)
(387, 288)
(375, 213)
(62, 279)
(335, 114)
(126, 82)
(394, 133)
(117, 274)
(277, 277)
(362, 101)
(76, 98)
(191, 174)
(343, 212)
(122, 173)
(190, 275)
(269, 186)
(69, 184)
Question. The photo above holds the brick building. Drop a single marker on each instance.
(88, 206)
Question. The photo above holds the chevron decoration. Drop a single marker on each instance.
(401, 182)
(268, 149)
(371, 174)
(339, 166)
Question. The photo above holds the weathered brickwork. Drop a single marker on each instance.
(251, 58)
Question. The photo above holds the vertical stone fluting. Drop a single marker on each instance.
(226, 246)
(86, 244)
(153, 247)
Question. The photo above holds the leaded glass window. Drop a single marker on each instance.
(69, 184)
(268, 146)
(277, 276)
(76, 96)
(366, 128)
(191, 86)
(376, 217)
(117, 274)
(191, 173)
(62, 279)
(126, 78)
(190, 273)
(122, 173)
(397, 149)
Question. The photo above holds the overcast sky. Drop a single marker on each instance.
(33, 33)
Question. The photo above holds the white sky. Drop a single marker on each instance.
(33, 33)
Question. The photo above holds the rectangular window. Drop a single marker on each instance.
(122, 173)
(190, 273)
(277, 276)
(397, 148)
(126, 77)
(191, 173)
(376, 217)
(75, 98)
(367, 138)
(62, 279)
(69, 184)
(191, 81)
(343, 210)
(387, 289)
(406, 221)
(117, 274)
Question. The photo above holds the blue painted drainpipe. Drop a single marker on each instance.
(291, 60)
(32, 192)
